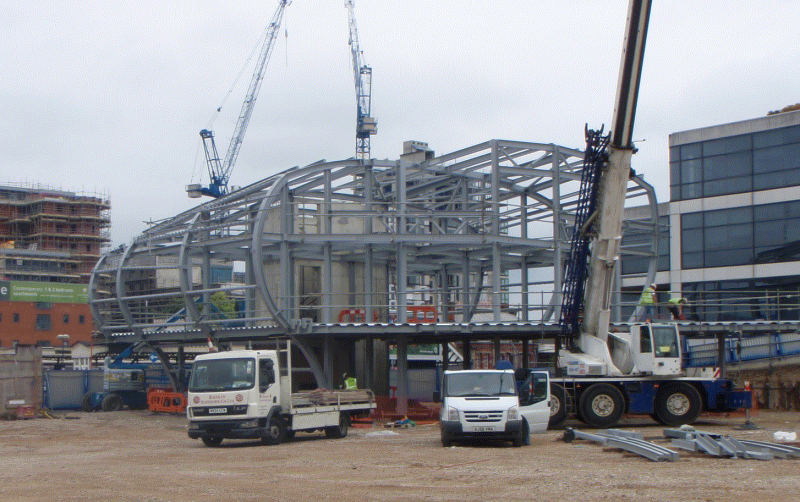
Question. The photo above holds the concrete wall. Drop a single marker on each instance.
(20, 376)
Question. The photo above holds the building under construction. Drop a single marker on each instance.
(50, 241)
(478, 237)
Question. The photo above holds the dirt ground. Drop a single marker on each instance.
(140, 456)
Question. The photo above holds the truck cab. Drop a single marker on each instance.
(489, 405)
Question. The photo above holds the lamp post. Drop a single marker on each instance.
(64, 341)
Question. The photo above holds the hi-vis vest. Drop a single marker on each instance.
(648, 296)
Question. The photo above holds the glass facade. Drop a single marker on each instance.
(775, 299)
(736, 164)
(768, 233)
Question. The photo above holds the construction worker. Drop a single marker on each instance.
(350, 382)
(675, 306)
(648, 301)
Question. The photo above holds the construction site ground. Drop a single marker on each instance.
(141, 456)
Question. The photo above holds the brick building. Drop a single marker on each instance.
(50, 241)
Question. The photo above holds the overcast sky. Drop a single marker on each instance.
(109, 96)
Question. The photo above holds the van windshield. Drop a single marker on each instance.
(215, 375)
(480, 384)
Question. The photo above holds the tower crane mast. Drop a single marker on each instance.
(219, 171)
(366, 125)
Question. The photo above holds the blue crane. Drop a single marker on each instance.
(219, 171)
(366, 125)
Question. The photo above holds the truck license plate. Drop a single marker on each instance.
(483, 429)
(217, 411)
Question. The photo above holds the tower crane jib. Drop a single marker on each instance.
(219, 171)
(366, 125)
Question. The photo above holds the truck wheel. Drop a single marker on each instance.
(677, 404)
(111, 402)
(276, 432)
(212, 441)
(86, 403)
(339, 431)
(601, 405)
(558, 405)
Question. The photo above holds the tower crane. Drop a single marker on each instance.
(219, 171)
(366, 125)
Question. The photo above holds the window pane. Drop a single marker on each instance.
(729, 257)
(728, 216)
(692, 240)
(766, 212)
(691, 171)
(43, 322)
(692, 191)
(692, 260)
(691, 151)
(674, 153)
(775, 137)
(727, 145)
(727, 186)
(770, 233)
(778, 158)
(691, 220)
(726, 166)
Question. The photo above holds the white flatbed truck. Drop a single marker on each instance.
(243, 394)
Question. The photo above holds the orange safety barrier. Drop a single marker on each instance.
(166, 401)
(356, 315)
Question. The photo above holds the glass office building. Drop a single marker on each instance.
(734, 215)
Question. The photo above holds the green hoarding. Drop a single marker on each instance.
(53, 292)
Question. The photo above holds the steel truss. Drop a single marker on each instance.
(465, 232)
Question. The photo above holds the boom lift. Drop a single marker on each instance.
(219, 172)
(601, 375)
(366, 125)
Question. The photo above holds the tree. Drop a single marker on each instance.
(225, 305)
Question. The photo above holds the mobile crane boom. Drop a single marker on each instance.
(219, 171)
(366, 125)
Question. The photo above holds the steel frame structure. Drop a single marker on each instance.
(466, 229)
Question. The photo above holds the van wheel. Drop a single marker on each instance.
(212, 441)
(558, 405)
(276, 432)
(447, 440)
(524, 435)
(677, 404)
(601, 405)
(339, 431)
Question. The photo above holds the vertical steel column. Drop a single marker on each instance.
(496, 258)
(327, 266)
(369, 280)
(205, 269)
(497, 352)
(402, 374)
(526, 353)
(285, 303)
(402, 255)
(523, 230)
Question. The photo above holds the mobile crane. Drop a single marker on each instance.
(366, 125)
(219, 171)
(601, 375)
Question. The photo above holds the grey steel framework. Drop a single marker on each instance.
(467, 231)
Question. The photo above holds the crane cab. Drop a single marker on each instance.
(656, 348)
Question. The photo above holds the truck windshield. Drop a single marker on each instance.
(665, 341)
(480, 384)
(216, 375)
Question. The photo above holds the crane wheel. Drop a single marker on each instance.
(677, 403)
(601, 405)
